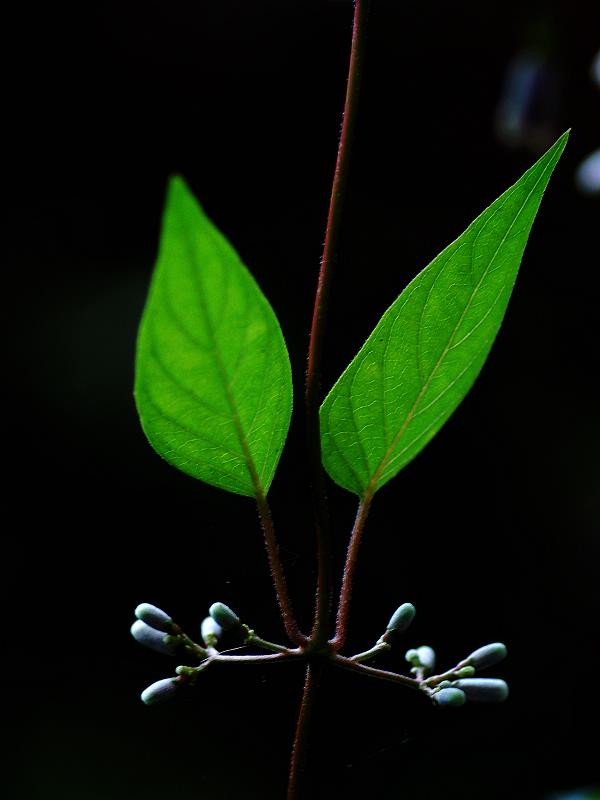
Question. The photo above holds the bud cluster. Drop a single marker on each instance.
(458, 685)
(455, 686)
(155, 629)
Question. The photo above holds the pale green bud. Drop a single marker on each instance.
(151, 638)
(486, 656)
(184, 669)
(449, 698)
(154, 617)
(421, 658)
(210, 631)
(483, 690)
(160, 692)
(465, 672)
(224, 616)
(426, 656)
(401, 618)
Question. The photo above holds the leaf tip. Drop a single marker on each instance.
(561, 142)
(176, 184)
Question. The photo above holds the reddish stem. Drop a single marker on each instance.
(349, 570)
(315, 349)
(373, 672)
(277, 573)
(298, 762)
(312, 399)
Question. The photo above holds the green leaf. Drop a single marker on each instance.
(213, 382)
(429, 346)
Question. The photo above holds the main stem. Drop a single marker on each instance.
(298, 762)
(320, 632)
(315, 350)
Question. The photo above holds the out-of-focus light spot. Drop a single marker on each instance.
(568, 796)
(596, 68)
(578, 794)
(527, 110)
(587, 175)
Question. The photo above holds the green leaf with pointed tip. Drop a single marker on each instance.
(213, 382)
(429, 346)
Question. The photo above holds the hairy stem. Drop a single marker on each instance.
(315, 349)
(277, 573)
(253, 639)
(372, 672)
(300, 746)
(252, 659)
(380, 647)
(349, 570)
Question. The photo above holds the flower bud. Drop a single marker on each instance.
(154, 617)
(421, 658)
(450, 698)
(426, 656)
(224, 616)
(184, 669)
(401, 618)
(211, 632)
(160, 692)
(483, 690)
(465, 672)
(485, 656)
(151, 638)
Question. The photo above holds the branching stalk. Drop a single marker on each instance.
(380, 647)
(349, 570)
(372, 672)
(253, 639)
(283, 599)
(261, 659)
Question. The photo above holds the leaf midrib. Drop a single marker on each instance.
(371, 487)
(222, 372)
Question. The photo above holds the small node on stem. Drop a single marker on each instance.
(189, 675)
(183, 669)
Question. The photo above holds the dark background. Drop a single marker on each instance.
(492, 532)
